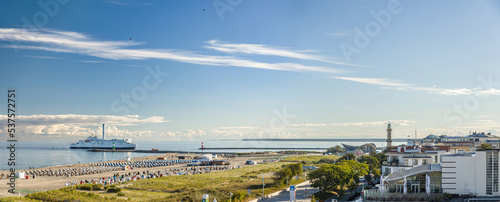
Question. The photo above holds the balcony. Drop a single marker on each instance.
(395, 163)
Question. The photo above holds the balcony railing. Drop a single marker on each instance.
(385, 163)
(376, 195)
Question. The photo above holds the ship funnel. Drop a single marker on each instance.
(103, 131)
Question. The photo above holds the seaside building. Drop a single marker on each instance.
(447, 164)
(358, 150)
(466, 143)
(474, 173)
(420, 179)
(405, 157)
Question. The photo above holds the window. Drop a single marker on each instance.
(436, 159)
(425, 162)
(415, 162)
(491, 172)
(387, 171)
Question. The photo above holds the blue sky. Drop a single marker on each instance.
(256, 69)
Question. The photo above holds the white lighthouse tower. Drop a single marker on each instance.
(389, 135)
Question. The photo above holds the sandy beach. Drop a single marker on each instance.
(45, 183)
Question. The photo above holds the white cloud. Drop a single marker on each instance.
(80, 125)
(262, 49)
(376, 123)
(84, 120)
(77, 43)
(308, 124)
(371, 123)
(404, 86)
(238, 127)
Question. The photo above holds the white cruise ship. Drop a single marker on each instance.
(93, 142)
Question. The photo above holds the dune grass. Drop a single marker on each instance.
(176, 188)
(311, 159)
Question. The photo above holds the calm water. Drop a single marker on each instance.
(50, 153)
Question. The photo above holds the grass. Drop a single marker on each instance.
(175, 188)
(311, 159)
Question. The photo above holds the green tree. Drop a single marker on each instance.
(334, 177)
(348, 156)
(296, 168)
(371, 161)
(358, 169)
(388, 149)
(485, 146)
(373, 166)
(281, 176)
(380, 156)
(287, 172)
(329, 177)
(335, 149)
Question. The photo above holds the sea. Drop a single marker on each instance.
(39, 154)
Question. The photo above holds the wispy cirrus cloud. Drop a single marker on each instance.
(44, 57)
(91, 61)
(398, 85)
(78, 43)
(375, 81)
(262, 49)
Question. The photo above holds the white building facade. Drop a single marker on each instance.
(471, 173)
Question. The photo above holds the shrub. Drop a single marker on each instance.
(114, 190)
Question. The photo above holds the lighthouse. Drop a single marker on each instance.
(389, 135)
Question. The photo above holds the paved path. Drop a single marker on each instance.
(284, 195)
(346, 196)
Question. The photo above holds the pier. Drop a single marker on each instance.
(259, 148)
(139, 151)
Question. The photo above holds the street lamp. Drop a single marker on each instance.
(263, 194)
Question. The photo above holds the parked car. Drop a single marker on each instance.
(250, 163)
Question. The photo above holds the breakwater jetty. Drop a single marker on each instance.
(326, 140)
(137, 151)
(259, 148)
